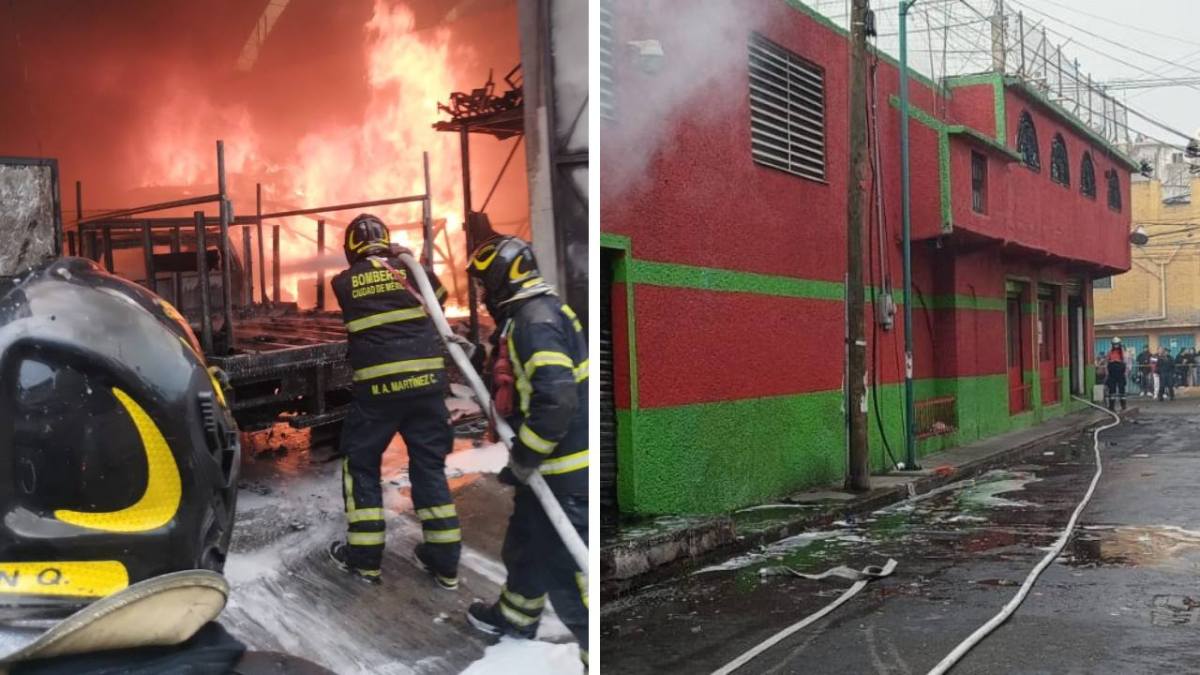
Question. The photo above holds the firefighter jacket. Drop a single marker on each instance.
(548, 350)
(394, 349)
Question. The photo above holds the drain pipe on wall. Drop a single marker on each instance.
(1162, 293)
(986, 629)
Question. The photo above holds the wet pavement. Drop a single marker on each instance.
(286, 596)
(1123, 597)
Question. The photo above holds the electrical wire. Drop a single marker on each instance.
(876, 208)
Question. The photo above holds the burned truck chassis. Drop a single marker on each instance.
(282, 364)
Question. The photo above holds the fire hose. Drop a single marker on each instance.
(554, 511)
(860, 578)
(983, 631)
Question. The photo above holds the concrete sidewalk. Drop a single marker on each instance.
(644, 553)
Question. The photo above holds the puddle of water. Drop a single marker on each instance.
(1161, 546)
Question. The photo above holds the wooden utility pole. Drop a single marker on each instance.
(858, 477)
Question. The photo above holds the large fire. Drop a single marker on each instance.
(407, 74)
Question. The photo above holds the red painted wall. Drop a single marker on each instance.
(701, 200)
(1026, 208)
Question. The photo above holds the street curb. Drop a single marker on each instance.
(629, 566)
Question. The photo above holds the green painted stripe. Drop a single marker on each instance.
(713, 457)
(716, 279)
(944, 180)
(609, 240)
(738, 453)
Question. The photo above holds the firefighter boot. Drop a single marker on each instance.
(426, 561)
(490, 619)
(338, 553)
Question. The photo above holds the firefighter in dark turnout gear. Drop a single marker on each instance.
(542, 344)
(399, 386)
(1114, 380)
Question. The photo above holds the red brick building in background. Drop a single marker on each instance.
(723, 219)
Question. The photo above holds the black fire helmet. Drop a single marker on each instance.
(119, 457)
(365, 235)
(508, 271)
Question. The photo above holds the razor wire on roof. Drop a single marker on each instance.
(1022, 40)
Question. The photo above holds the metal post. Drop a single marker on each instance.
(321, 265)
(248, 263)
(148, 257)
(226, 262)
(1021, 32)
(262, 252)
(177, 277)
(92, 246)
(71, 244)
(108, 254)
(464, 143)
(858, 473)
(1060, 75)
(998, 47)
(275, 261)
(206, 336)
(78, 216)
(427, 217)
(910, 439)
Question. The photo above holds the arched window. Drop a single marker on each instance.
(1027, 144)
(1060, 168)
(1087, 176)
(1114, 189)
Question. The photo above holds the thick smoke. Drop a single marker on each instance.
(702, 42)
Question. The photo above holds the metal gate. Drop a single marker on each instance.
(1174, 343)
(608, 414)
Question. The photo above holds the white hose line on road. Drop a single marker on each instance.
(554, 510)
(864, 578)
(983, 631)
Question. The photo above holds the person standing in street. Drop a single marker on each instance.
(399, 387)
(1145, 379)
(1114, 380)
(542, 343)
(1166, 374)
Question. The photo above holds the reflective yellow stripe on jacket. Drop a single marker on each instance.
(383, 318)
(397, 367)
(565, 464)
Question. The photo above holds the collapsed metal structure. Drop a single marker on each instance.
(279, 360)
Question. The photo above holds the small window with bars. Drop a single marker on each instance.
(1027, 142)
(978, 182)
(1114, 189)
(1087, 176)
(1102, 283)
(1060, 168)
(608, 104)
(787, 110)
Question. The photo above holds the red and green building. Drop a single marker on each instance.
(723, 259)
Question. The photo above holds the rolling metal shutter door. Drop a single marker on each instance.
(608, 416)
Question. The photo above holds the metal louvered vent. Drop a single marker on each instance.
(787, 110)
(608, 105)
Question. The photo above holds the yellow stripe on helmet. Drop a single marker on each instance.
(159, 503)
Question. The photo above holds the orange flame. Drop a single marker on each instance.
(407, 74)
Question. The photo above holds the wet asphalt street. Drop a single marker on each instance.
(1123, 598)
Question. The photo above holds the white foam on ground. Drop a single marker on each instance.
(528, 657)
(489, 458)
(775, 550)
(984, 492)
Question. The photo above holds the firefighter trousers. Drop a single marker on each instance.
(539, 565)
(423, 422)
